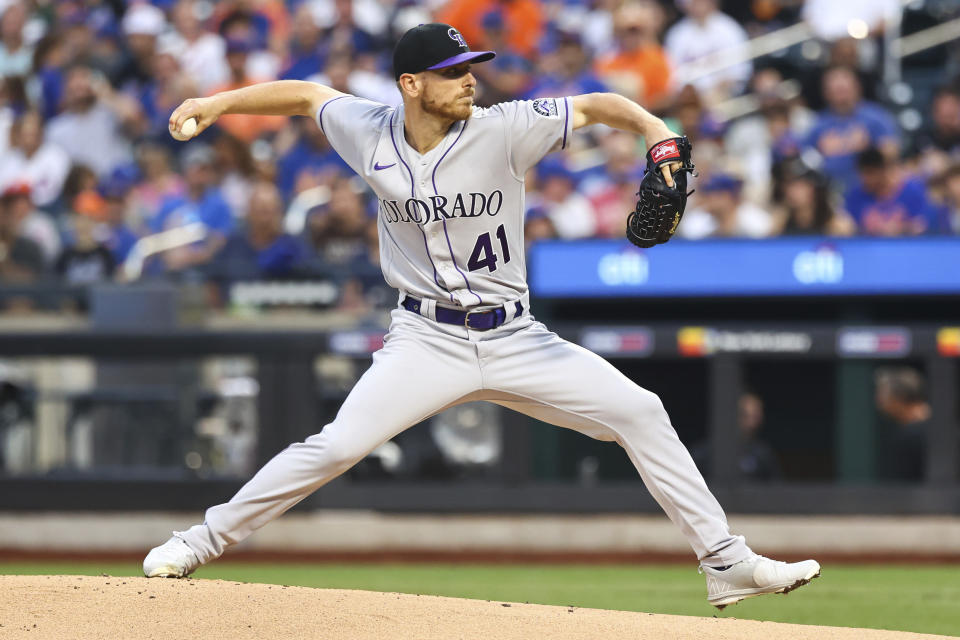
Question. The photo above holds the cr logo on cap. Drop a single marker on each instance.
(456, 37)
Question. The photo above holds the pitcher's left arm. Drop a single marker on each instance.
(622, 113)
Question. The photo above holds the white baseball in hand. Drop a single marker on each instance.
(187, 130)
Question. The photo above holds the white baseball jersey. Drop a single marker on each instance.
(450, 220)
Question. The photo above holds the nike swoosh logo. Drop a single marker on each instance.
(378, 167)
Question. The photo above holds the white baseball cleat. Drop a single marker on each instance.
(172, 559)
(755, 576)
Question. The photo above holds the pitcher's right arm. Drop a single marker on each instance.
(279, 98)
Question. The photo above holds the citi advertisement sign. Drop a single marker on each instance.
(730, 267)
(628, 267)
(823, 265)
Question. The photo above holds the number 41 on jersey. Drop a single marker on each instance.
(483, 255)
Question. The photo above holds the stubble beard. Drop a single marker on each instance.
(453, 110)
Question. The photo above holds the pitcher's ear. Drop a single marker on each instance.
(409, 84)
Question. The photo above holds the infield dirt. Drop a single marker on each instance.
(70, 607)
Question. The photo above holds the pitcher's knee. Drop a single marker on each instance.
(646, 410)
(336, 451)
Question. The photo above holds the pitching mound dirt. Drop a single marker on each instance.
(72, 607)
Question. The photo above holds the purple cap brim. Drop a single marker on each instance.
(475, 56)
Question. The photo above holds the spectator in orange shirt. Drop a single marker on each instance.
(638, 68)
(523, 19)
(244, 127)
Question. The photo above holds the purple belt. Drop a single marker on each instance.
(478, 320)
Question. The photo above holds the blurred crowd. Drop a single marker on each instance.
(831, 136)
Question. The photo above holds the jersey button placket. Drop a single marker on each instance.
(421, 181)
(435, 239)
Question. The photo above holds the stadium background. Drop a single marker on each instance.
(173, 314)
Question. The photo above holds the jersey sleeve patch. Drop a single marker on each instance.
(546, 107)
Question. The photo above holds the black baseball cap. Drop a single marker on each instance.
(433, 46)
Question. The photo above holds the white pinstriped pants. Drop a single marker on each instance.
(425, 367)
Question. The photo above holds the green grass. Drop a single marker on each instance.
(922, 599)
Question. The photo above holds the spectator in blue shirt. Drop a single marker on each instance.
(260, 251)
(201, 203)
(571, 74)
(848, 126)
(50, 63)
(304, 165)
(306, 55)
(116, 195)
(886, 203)
(167, 87)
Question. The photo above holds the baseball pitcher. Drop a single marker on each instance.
(449, 177)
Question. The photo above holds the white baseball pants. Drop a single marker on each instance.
(425, 367)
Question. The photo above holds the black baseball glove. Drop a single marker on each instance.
(659, 207)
